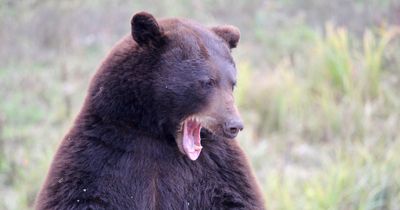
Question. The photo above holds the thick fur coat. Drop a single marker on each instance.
(126, 150)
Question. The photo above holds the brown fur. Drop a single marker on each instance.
(121, 152)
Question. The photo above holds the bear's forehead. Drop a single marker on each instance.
(196, 38)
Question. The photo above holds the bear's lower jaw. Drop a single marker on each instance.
(188, 139)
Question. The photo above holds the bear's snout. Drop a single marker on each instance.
(232, 127)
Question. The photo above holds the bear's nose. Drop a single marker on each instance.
(232, 128)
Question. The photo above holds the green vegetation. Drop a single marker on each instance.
(327, 129)
(319, 90)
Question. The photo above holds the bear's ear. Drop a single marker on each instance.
(146, 31)
(230, 34)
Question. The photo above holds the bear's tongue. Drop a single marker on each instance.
(191, 139)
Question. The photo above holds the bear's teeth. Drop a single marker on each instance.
(194, 118)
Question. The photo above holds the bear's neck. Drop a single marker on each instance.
(118, 134)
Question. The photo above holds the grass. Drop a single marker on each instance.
(327, 128)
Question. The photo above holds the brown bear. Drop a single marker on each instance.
(157, 127)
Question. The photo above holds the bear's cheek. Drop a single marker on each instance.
(195, 103)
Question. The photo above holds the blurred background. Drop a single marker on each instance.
(319, 90)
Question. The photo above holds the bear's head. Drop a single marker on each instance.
(173, 79)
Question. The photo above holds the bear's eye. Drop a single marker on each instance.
(209, 83)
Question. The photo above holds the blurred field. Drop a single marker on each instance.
(319, 90)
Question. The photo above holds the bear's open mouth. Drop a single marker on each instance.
(191, 141)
